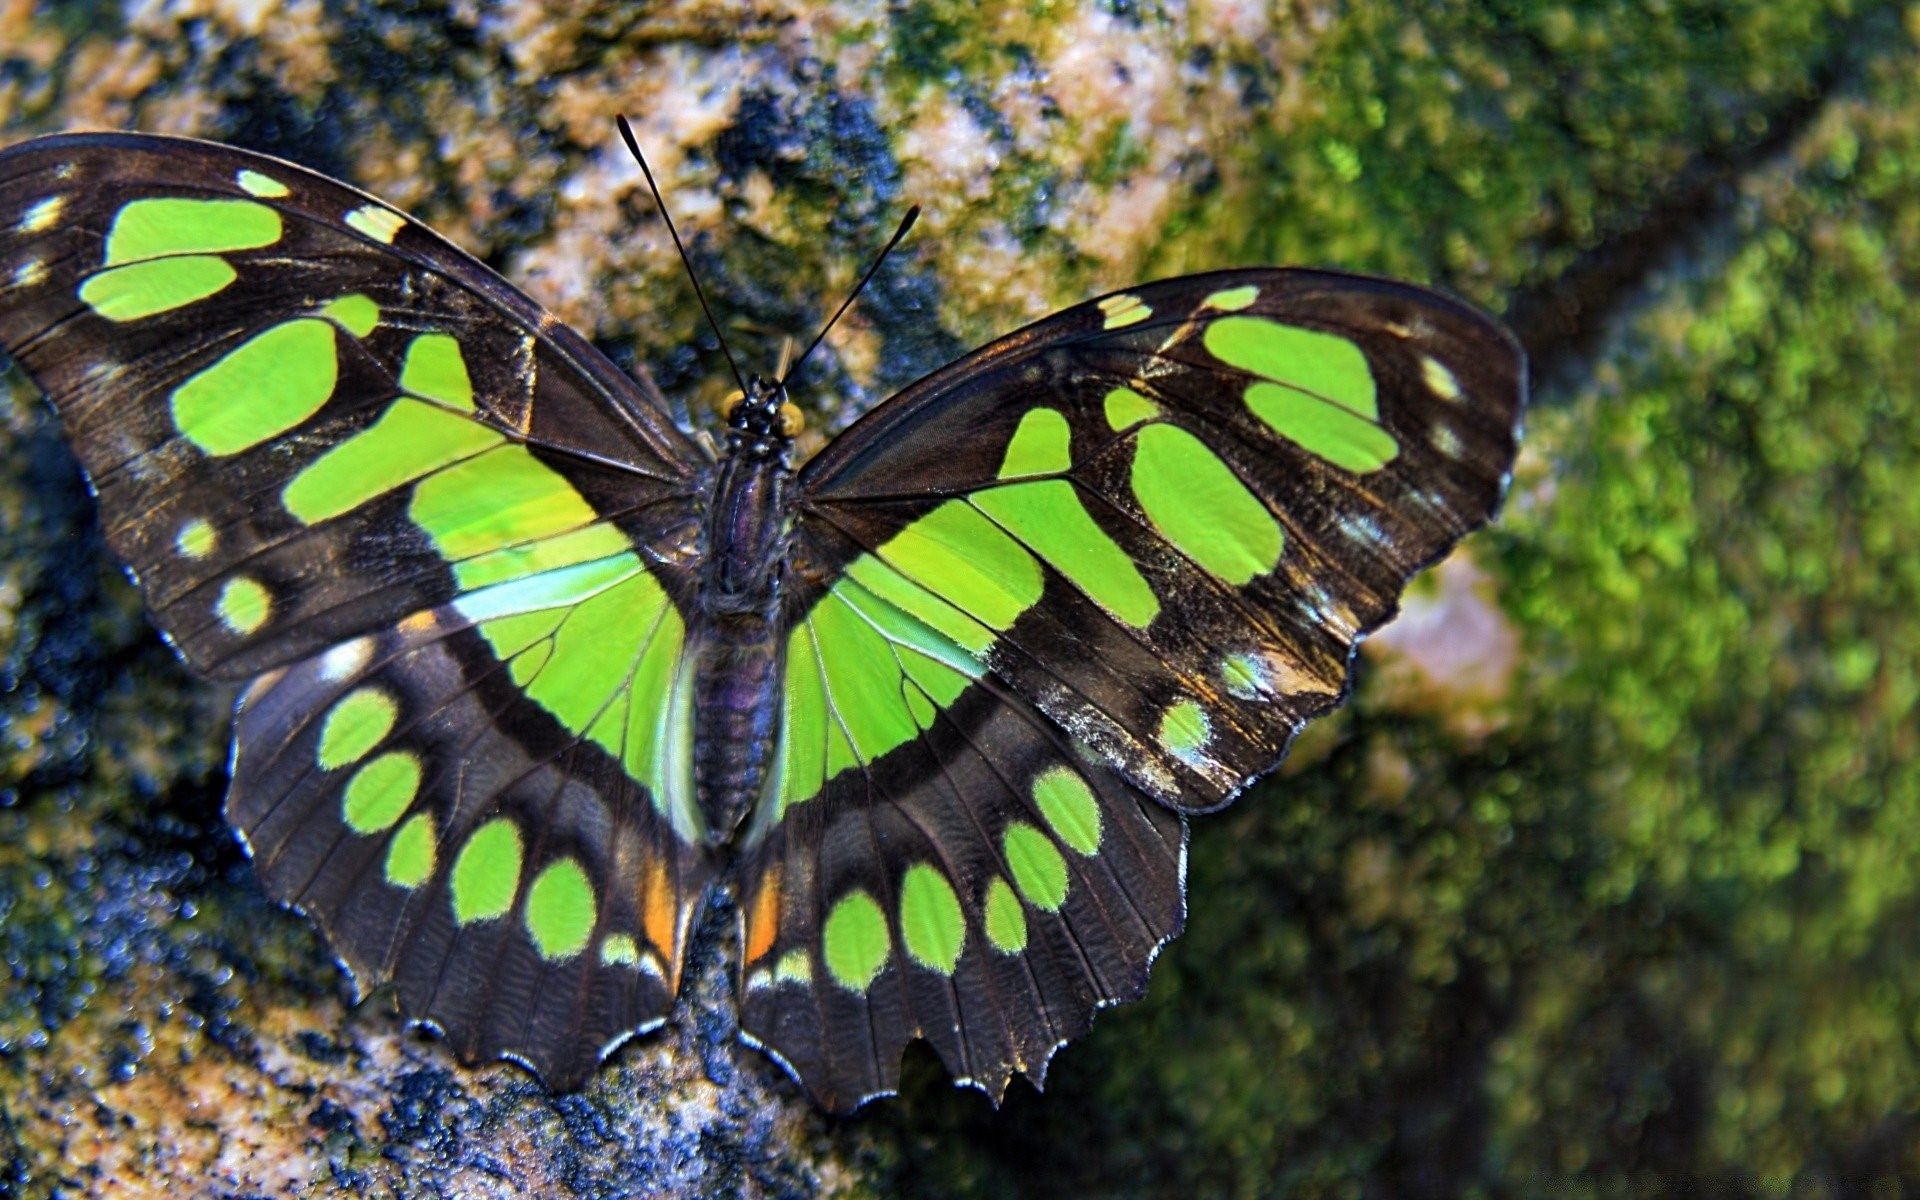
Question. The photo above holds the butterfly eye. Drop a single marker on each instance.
(731, 404)
(792, 420)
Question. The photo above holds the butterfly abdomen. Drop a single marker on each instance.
(737, 650)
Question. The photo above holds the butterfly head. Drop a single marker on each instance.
(762, 422)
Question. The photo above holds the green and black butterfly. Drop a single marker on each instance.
(530, 670)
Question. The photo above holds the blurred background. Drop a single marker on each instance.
(1606, 884)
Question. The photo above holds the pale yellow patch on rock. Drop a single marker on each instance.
(1451, 652)
(944, 152)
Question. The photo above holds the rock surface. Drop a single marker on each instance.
(1623, 904)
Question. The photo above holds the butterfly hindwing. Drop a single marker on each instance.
(525, 888)
(1167, 517)
(453, 542)
(984, 887)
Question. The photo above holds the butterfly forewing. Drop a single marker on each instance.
(335, 449)
(297, 455)
(1176, 510)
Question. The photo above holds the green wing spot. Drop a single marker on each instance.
(1350, 442)
(380, 224)
(854, 941)
(1196, 501)
(1006, 920)
(1049, 517)
(411, 439)
(917, 602)
(195, 539)
(1324, 364)
(1067, 803)
(487, 873)
(561, 910)
(149, 288)
(1127, 408)
(243, 605)
(803, 731)
(1184, 729)
(435, 369)
(257, 184)
(359, 722)
(1040, 446)
(969, 562)
(356, 314)
(381, 791)
(1038, 870)
(410, 854)
(270, 384)
(620, 950)
(505, 499)
(931, 924)
(1232, 299)
(154, 228)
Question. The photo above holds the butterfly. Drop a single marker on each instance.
(529, 672)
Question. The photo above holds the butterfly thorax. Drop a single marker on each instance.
(738, 648)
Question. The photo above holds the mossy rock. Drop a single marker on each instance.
(1604, 885)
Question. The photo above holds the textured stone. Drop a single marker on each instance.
(1630, 915)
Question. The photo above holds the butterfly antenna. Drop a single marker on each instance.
(626, 131)
(906, 223)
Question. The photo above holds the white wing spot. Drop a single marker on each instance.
(1362, 529)
(378, 223)
(346, 660)
(31, 273)
(42, 215)
(256, 184)
(1446, 441)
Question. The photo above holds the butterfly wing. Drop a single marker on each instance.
(1085, 580)
(450, 539)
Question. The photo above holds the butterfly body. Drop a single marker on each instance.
(738, 644)
(528, 671)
